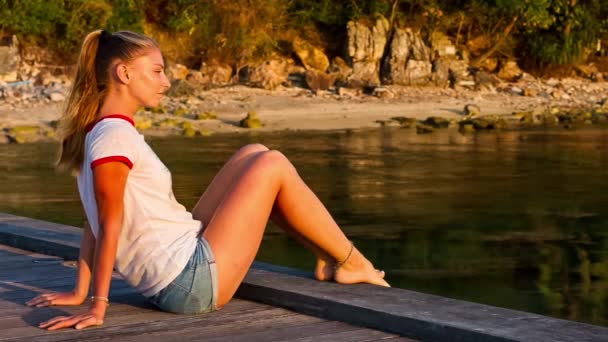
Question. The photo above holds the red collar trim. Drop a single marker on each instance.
(112, 116)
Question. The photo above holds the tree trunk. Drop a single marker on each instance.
(498, 43)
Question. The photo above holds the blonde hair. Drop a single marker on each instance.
(99, 49)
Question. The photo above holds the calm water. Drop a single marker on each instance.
(513, 219)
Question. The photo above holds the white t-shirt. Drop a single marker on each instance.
(158, 234)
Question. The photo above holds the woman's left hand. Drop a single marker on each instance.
(93, 317)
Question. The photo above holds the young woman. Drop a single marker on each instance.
(183, 262)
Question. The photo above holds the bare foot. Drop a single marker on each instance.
(357, 269)
(324, 269)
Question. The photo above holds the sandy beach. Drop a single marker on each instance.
(300, 109)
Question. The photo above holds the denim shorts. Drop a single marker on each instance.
(195, 288)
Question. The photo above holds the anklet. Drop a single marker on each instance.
(340, 264)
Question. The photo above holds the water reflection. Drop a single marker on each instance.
(514, 219)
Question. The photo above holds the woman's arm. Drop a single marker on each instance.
(109, 181)
(81, 289)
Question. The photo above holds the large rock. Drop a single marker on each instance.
(270, 74)
(366, 42)
(177, 72)
(409, 59)
(317, 80)
(215, 74)
(9, 60)
(340, 69)
(442, 44)
(311, 56)
(440, 72)
(510, 71)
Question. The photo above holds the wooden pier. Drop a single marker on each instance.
(131, 318)
(273, 304)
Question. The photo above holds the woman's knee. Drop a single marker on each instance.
(273, 162)
(252, 148)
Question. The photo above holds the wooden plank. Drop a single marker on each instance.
(408, 313)
(357, 335)
(146, 324)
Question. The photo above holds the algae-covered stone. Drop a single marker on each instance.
(205, 132)
(472, 110)
(143, 124)
(467, 128)
(166, 123)
(405, 122)
(186, 125)
(180, 111)
(24, 129)
(189, 132)
(424, 129)
(206, 116)
(436, 122)
(525, 117)
(158, 110)
(251, 121)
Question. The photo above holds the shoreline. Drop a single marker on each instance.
(221, 110)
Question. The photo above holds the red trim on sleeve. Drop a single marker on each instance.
(112, 116)
(104, 160)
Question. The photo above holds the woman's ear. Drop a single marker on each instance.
(122, 73)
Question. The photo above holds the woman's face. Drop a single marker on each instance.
(147, 80)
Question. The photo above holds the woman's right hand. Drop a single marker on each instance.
(56, 298)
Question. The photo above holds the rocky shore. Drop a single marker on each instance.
(29, 112)
(395, 79)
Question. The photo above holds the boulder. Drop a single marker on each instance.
(442, 44)
(180, 88)
(206, 116)
(318, 80)
(405, 47)
(424, 129)
(586, 70)
(24, 134)
(366, 42)
(251, 120)
(270, 74)
(56, 97)
(484, 80)
(177, 72)
(311, 56)
(383, 93)
(489, 64)
(436, 122)
(405, 122)
(340, 69)
(215, 74)
(9, 59)
(440, 72)
(510, 71)
(472, 110)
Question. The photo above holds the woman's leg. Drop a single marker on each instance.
(236, 228)
(210, 200)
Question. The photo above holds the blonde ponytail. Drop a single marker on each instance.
(90, 87)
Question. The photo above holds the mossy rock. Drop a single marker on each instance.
(436, 122)
(467, 128)
(424, 129)
(166, 123)
(158, 110)
(143, 124)
(24, 129)
(405, 122)
(189, 132)
(186, 125)
(205, 132)
(251, 121)
(181, 88)
(206, 116)
(181, 111)
(525, 117)
(484, 123)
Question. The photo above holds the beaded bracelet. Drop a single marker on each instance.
(101, 299)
